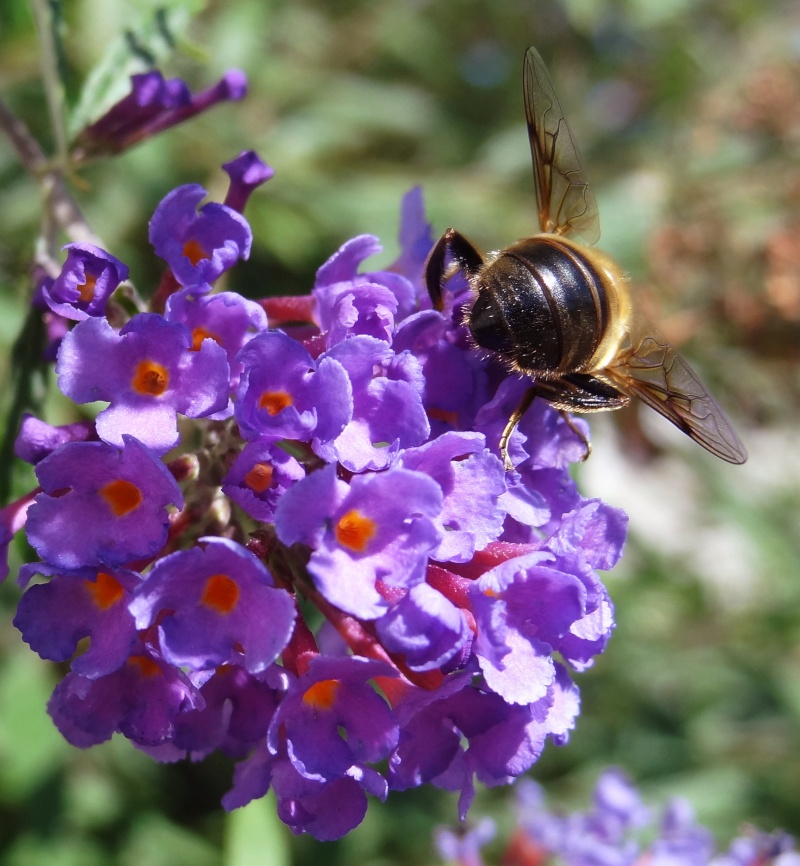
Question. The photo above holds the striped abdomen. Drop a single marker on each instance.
(548, 305)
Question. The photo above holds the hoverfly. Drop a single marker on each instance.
(559, 311)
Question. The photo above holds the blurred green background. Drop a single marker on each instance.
(688, 116)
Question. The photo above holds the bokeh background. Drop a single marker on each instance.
(688, 116)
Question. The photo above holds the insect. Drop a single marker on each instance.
(558, 310)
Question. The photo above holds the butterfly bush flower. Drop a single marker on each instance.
(618, 829)
(86, 282)
(153, 105)
(288, 535)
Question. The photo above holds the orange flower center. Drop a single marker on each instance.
(354, 531)
(121, 496)
(193, 251)
(146, 666)
(105, 591)
(259, 478)
(221, 593)
(86, 289)
(274, 401)
(199, 334)
(150, 378)
(321, 695)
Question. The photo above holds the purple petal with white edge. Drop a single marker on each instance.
(565, 707)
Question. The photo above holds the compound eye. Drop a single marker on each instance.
(488, 326)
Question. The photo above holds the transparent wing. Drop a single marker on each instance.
(566, 202)
(649, 368)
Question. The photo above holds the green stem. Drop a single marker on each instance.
(54, 90)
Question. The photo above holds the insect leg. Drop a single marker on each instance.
(516, 417)
(574, 392)
(587, 445)
(466, 257)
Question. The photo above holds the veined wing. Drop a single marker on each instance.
(649, 368)
(565, 200)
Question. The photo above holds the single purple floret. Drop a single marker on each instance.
(247, 172)
(197, 245)
(376, 532)
(54, 616)
(215, 604)
(87, 280)
(148, 372)
(260, 475)
(101, 505)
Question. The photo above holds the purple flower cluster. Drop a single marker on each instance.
(289, 536)
(619, 830)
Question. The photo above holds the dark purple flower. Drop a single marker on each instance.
(101, 505)
(215, 604)
(327, 810)
(153, 105)
(86, 282)
(333, 721)
(141, 700)
(53, 617)
(247, 172)
(148, 372)
(198, 245)
(234, 713)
